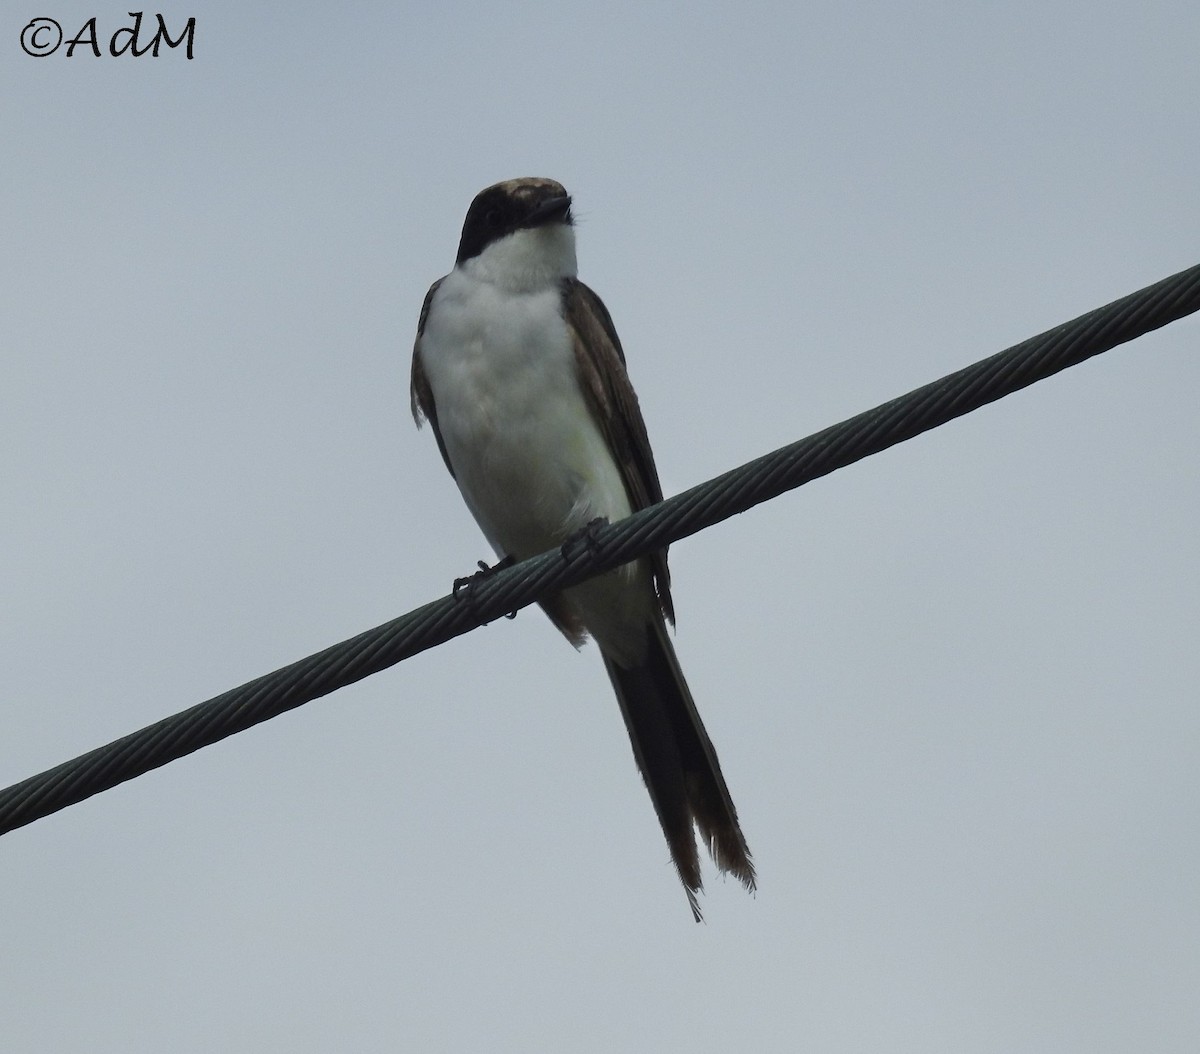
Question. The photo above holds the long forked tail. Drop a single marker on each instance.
(679, 765)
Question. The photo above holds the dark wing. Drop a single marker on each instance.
(613, 402)
(423, 407)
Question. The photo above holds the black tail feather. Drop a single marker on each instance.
(679, 765)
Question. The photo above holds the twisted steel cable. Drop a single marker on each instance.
(605, 547)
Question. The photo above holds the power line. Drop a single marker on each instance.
(605, 547)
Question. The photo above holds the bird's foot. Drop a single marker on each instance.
(462, 587)
(586, 537)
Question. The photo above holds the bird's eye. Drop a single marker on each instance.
(492, 217)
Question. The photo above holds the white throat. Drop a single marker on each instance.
(528, 260)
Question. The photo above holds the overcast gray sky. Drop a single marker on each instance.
(953, 687)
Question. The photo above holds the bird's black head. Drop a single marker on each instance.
(510, 206)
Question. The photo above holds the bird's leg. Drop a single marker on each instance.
(462, 587)
(585, 536)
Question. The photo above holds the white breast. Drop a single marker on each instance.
(527, 455)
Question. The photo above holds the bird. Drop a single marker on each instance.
(518, 369)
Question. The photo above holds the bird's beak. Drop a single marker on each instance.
(548, 211)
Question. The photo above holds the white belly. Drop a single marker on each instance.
(528, 457)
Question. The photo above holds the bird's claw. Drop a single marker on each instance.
(461, 590)
(585, 536)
